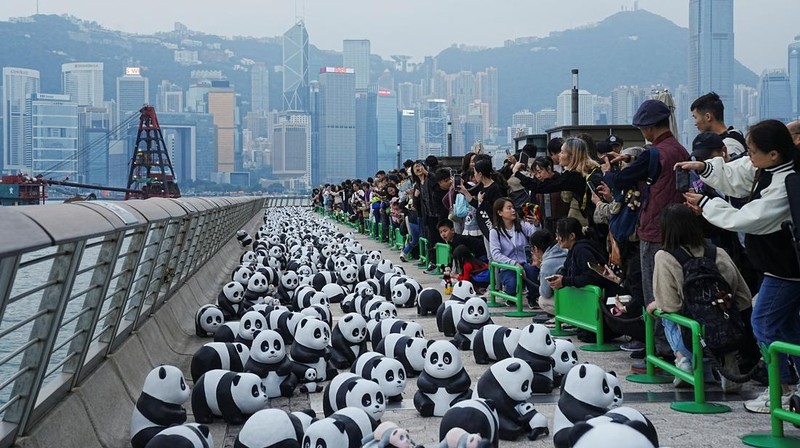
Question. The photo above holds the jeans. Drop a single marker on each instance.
(775, 318)
(413, 230)
(673, 333)
(647, 255)
(508, 279)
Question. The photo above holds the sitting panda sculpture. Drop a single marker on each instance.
(350, 390)
(536, 348)
(286, 429)
(348, 340)
(219, 355)
(229, 395)
(411, 352)
(474, 316)
(310, 354)
(346, 428)
(473, 422)
(207, 320)
(443, 382)
(585, 393)
(388, 373)
(494, 342)
(268, 359)
(565, 357)
(160, 404)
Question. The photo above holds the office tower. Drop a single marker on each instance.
(775, 95)
(93, 126)
(433, 128)
(83, 82)
(409, 135)
(133, 92)
(257, 124)
(222, 105)
(408, 95)
(295, 68)
(51, 136)
(366, 137)
(711, 48)
(463, 92)
(545, 119)
(196, 97)
(259, 85)
(745, 101)
(355, 55)
(191, 139)
(18, 83)
(585, 108)
(473, 128)
(386, 127)
(625, 100)
(523, 119)
(337, 125)
(794, 75)
(169, 98)
(488, 92)
(291, 147)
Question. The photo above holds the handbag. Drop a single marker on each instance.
(461, 207)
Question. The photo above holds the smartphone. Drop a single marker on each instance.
(682, 180)
(457, 181)
(591, 185)
(523, 159)
(596, 267)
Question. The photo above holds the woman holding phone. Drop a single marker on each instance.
(507, 241)
(583, 251)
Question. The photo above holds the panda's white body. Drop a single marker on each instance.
(474, 416)
(351, 390)
(269, 361)
(474, 315)
(184, 436)
(536, 348)
(207, 320)
(622, 427)
(585, 393)
(388, 373)
(219, 355)
(411, 352)
(345, 428)
(160, 405)
(285, 429)
(494, 342)
(443, 381)
(231, 396)
(565, 358)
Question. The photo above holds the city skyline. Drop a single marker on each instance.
(761, 39)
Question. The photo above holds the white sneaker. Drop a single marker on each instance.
(684, 364)
(760, 404)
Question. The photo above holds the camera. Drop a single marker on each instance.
(682, 180)
(457, 181)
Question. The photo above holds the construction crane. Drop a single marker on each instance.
(151, 173)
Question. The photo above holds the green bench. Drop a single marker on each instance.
(580, 307)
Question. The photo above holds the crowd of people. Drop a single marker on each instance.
(635, 221)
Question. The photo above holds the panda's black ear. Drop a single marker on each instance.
(582, 371)
(204, 430)
(531, 328)
(240, 347)
(351, 385)
(162, 372)
(578, 431)
(236, 379)
(508, 332)
(613, 373)
(513, 367)
(348, 318)
(430, 342)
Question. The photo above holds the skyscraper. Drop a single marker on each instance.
(711, 48)
(386, 126)
(365, 128)
(93, 140)
(51, 136)
(83, 82)
(259, 87)
(170, 98)
(222, 105)
(133, 92)
(295, 68)
(18, 83)
(433, 128)
(291, 147)
(489, 93)
(409, 135)
(774, 96)
(337, 125)
(191, 139)
(356, 56)
(585, 108)
(794, 75)
(523, 119)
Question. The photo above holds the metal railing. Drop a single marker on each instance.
(77, 279)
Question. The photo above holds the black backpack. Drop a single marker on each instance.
(707, 299)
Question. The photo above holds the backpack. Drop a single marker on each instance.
(623, 224)
(707, 299)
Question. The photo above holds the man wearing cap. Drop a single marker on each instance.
(614, 142)
(708, 113)
(652, 119)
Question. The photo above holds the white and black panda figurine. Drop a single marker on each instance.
(387, 372)
(443, 382)
(389, 435)
(536, 348)
(257, 289)
(228, 332)
(346, 428)
(289, 282)
(462, 290)
(448, 316)
(428, 301)
(564, 359)
(244, 238)
(320, 312)
(622, 427)
(585, 393)
(241, 275)
(268, 360)
(188, 435)
(350, 390)
(251, 323)
(310, 354)
(219, 355)
(507, 384)
(474, 316)
(494, 342)
(160, 405)
(411, 352)
(207, 320)
(230, 299)
(322, 278)
(284, 322)
(475, 417)
(348, 277)
(613, 383)
(348, 340)
(229, 395)
(334, 292)
(285, 429)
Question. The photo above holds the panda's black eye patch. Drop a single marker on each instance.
(525, 386)
(447, 358)
(355, 332)
(434, 357)
(389, 376)
(565, 357)
(366, 400)
(277, 344)
(265, 346)
(255, 391)
(317, 333)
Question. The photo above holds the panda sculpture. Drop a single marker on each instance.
(507, 384)
(229, 395)
(388, 373)
(310, 354)
(229, 300)
(244, 238)
(207, 320)
(536, 348)
(613, 383)
(257, 289)
(188, 435)
(346, 428)
(334, 292)
(268, 360)
(622, 427)
(284, 322)
(411, 352)
(306, 296)
(389, 435)
(289, 282)
(241, 275)
(448, 316)
(350, 390)
(428, 301)
(160, 405)
(443, 382)
(320, 312)
(404, 295)
(475, 416)
(322, 278)
(564, 358)
(219, 355)
(494, 342)
(474, 316)
(348, 277)
(585, 393)
(286, 429)
(227, 332)
(348, 340)
(394, 326)
(462, 290)
(251, 323)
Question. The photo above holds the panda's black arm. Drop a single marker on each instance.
(459, 383)
(285, 367)
(425, 384)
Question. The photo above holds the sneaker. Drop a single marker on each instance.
(632, 346)
(684, 364)
(760, 404)
(638, 354)
(403, 258)
(641, 368)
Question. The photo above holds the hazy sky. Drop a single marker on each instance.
(763, 28)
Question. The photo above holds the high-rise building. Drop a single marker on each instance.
(291, 147)
(295, 68)
(18, 84)
(93, 126)
(83, 82)
(133, 92)
(433, 128)
(222, 105)
(196, 97)
(409, 135)
(585, 108)
(365, 124)
(711, 48)
(170, 98)
(51, 136)
(191, 139)
(488, 92)
(545, 119)
(463, 92)
(259, 87)
(745, 101)
(625, 100)
(774, 96)
(337, 125)
(523, 119)
(386, 127)
(794, 75)
(408, 95)
(355, 55)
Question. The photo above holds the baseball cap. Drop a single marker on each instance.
(614, 139)
(650, 113)
(705, 144)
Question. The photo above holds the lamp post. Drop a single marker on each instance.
(575, 97)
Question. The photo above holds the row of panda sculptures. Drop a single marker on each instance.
(272, 335)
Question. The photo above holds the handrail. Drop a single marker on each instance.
(77, 279)
(516, 299)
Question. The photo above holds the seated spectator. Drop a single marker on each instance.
(582, 250)
(550, 257)
(448, 234)
(507, 241)
(471, 268)
(681, 230)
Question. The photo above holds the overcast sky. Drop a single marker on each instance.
(763, 28)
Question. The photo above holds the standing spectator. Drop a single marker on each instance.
(708, 113)
(482, 198)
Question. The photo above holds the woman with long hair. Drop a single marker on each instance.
(507, 241)
(482, 197)
(470, 267)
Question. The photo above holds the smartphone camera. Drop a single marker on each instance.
(682, 180)
(457, 181)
